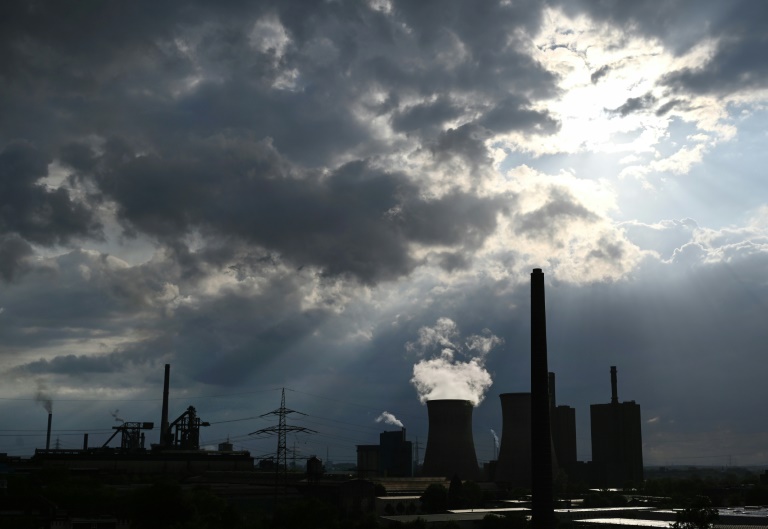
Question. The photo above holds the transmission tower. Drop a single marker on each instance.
(281, 430)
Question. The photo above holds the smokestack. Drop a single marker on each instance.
(614, 387)
(48, 437)
(85, 441)
(450, 445)
(164, 417)
(542, 505)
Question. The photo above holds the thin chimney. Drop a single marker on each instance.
(614, 387)
(164, 418)
(48, 437)
(543, 505)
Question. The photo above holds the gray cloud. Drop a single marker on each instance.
(14, 251)
(513, 113)
(635, 104)
(600, 73)
(547, 220)
(32, 211)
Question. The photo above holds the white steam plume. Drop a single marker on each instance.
(444, 376)
(388, 418)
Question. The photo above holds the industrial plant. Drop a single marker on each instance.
(538, 446)
(177, 449)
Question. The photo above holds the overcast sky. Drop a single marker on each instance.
(346, 199)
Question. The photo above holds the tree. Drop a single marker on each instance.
(435, 498)
(699, 514)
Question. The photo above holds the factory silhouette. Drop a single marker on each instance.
(538, 443)
(538, 439)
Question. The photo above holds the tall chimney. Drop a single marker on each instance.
(48, 437)
(614, 387)
(164, 418)
(85, 441)
(542, 504)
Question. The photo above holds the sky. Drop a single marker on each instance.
(345, 199)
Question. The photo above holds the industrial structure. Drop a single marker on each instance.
(177, 451)
(392, 457)
(542, 491)
(450, 446)
(617, 444)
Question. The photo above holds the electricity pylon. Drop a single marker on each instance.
(281, 430)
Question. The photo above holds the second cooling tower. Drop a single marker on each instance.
(514, 466)
(450, 445)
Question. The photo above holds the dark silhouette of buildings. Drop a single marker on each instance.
(617, 445)
(396, 454)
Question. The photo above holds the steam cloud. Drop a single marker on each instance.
(443, 374)
(44, 398)
(388, 418)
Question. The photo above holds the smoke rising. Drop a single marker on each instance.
(453, 368)
(495, 439)
(388, 418)
(116, 416)
(43, 397)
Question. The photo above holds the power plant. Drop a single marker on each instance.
(538, 439)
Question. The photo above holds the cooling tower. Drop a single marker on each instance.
(450, 445)
(514, 466)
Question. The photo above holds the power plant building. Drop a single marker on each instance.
(617, 445)
(392, 457)
(396, 455)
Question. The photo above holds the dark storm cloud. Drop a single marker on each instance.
(634, 104)
(358, 220)
(29, 209)
(147, 111)
(14, 251)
